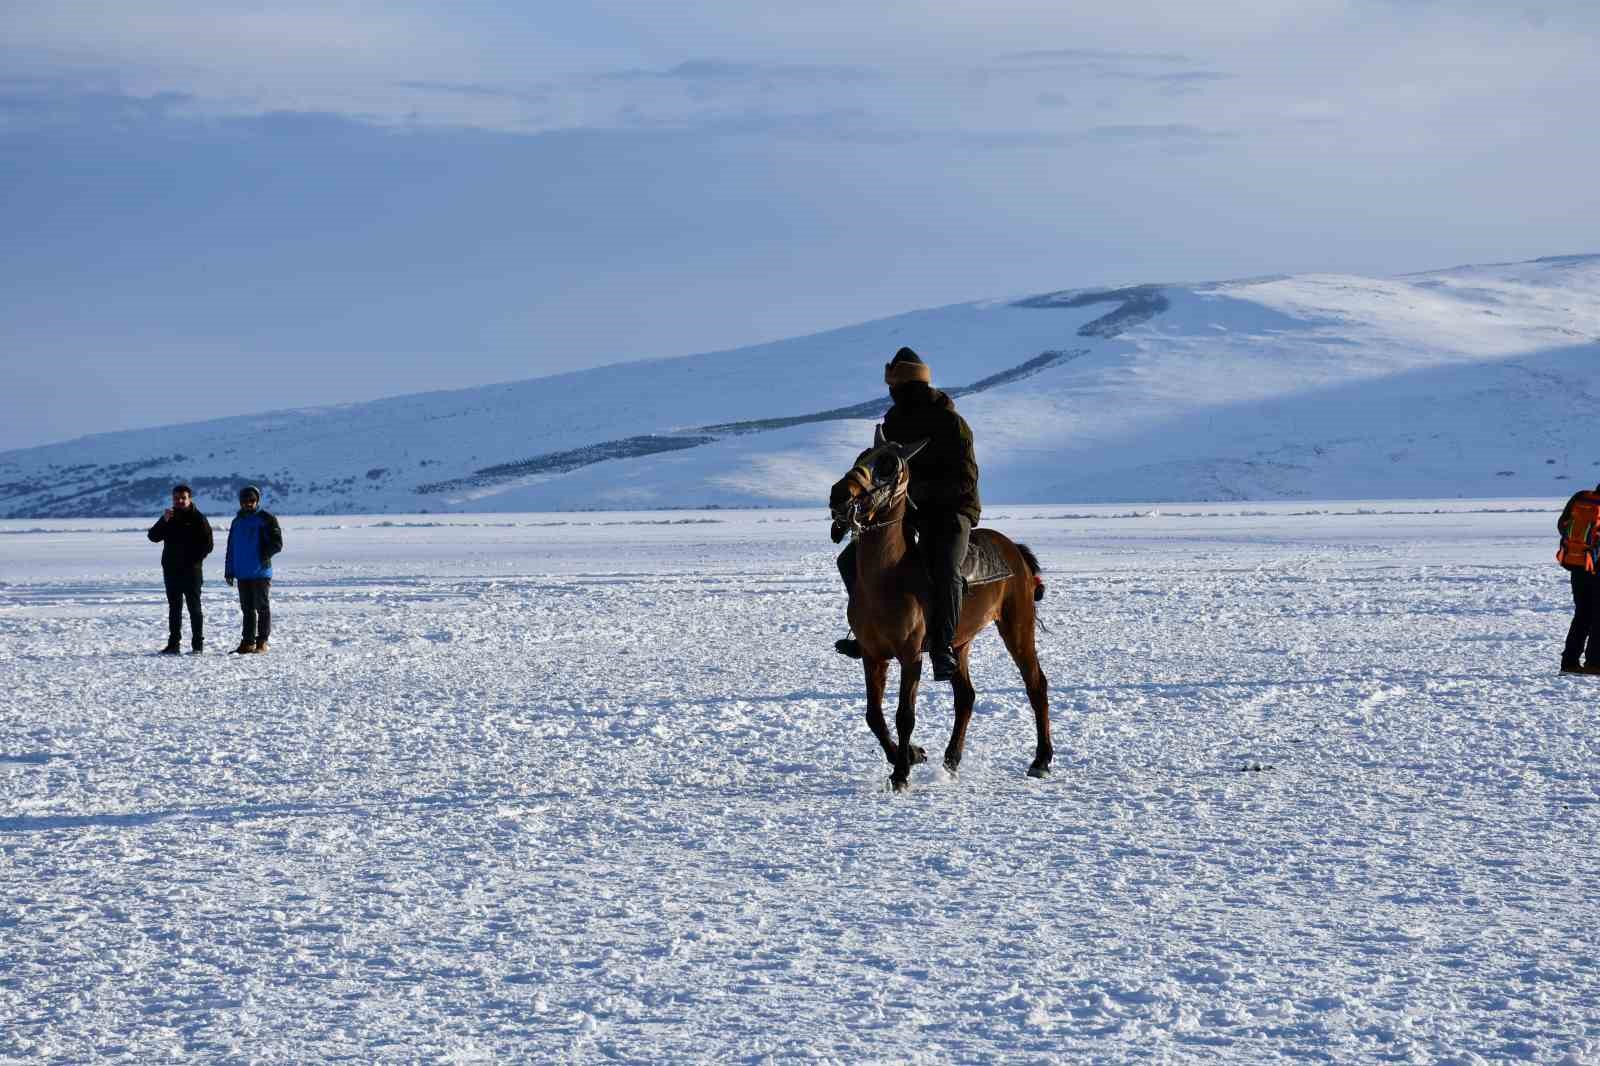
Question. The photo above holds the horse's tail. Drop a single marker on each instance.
(1034, 570)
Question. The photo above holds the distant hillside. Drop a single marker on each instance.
(1464, 382)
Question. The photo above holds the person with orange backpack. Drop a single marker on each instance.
(1579, 526)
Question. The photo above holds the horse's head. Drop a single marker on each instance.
(873, 486)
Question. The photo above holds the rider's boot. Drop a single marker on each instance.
(849, 647)
(942, 632)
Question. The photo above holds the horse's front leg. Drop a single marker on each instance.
(877, 681)
(966, 696)
(905, 720)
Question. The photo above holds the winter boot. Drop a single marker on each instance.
(171, 648)
(245, 648)
(944, 664)
(849, 647)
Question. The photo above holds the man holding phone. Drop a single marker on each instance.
(185, 538)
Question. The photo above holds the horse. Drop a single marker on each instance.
(888, 609)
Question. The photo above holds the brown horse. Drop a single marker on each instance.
(889, 615)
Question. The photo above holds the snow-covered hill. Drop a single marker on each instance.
(1473, 381)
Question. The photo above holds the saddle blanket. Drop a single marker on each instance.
(984, 562)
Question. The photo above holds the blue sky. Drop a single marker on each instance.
(217, 208)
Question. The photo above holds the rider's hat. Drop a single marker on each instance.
(906, 366)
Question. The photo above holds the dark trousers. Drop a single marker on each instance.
(183, 586)
(942, 542)
(1585, 615)
(254, 600)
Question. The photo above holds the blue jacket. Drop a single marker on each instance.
(253, 539)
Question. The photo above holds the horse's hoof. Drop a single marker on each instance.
(1039, 771)
(951, 765)
(900, 784)
(918, 755)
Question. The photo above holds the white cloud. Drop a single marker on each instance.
(1257, 68)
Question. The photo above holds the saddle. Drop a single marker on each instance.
(984, 562)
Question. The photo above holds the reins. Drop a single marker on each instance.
(897, 490)
(885, 524)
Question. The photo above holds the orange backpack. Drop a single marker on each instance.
(1577, 546)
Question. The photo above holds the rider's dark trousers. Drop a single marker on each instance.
(254, 600)
(1585, 620)
(942, 541)
(183, 587)
(942, 538)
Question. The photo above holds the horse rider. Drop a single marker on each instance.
(944, 499)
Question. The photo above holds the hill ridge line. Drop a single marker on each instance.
(568, 460)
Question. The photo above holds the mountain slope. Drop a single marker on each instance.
(1463, 382)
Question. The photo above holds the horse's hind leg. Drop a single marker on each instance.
(1016, 629)
(965, 697)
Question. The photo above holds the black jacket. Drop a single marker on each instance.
(944, 475)
(185, 540)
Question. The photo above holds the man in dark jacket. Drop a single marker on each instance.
(185, 538)
(253, 539)
(944, 497)
(1581, 642)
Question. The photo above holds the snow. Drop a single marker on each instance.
(1456, 383)
(578, 787)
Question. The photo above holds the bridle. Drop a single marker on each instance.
(874, 496)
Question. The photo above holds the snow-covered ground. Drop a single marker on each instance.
(590, 787)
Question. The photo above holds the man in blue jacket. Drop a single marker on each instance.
(253, 539)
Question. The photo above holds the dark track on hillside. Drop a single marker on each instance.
(1139, 303)
(1135, 305)
(875, 408)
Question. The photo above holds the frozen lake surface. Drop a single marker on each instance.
(594, 787)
